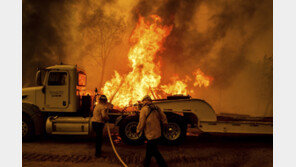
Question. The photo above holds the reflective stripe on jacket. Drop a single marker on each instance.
(152, 124)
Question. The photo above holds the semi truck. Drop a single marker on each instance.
(59, 106)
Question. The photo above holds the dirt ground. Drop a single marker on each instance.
(196, 151)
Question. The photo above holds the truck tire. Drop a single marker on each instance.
(175, 132)
(34, 120)
(27, 128)
(127, 131)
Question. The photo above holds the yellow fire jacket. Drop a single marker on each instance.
(100, 113)
(152, 124)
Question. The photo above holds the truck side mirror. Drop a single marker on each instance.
(38, 80)
(43, 89)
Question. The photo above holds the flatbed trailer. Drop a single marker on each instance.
(247, 127)
(181, 113)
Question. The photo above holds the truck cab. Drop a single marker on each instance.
(60, 91)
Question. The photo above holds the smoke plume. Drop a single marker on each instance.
(230, 40)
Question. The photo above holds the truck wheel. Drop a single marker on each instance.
(127, 131)
(175, 132)
(27, 128)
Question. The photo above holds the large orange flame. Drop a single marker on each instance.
(144, 78)
(147, 38)
(178, 87)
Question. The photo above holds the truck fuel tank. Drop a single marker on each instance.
(68, 125)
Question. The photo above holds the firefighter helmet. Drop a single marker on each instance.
(103, 98)
(147, 97)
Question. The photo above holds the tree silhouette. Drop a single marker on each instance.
(106, 32)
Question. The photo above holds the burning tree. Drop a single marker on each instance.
(105, 32)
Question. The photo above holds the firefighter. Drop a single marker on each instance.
(151, 120)
(100, 116)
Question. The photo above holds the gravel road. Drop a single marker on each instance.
(196, 151)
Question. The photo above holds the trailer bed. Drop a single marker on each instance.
(238, 117)
(233, 123)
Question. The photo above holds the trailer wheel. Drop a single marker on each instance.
(175, 132)
(27, 128)
(127, 131)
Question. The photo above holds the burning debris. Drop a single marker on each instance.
(147, 37)
(145, 78)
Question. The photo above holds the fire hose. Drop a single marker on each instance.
(111, 141)
(113, 147)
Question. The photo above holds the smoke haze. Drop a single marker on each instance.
(230, 40)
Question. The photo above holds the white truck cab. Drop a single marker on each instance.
(57, 89)
(58, 92)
